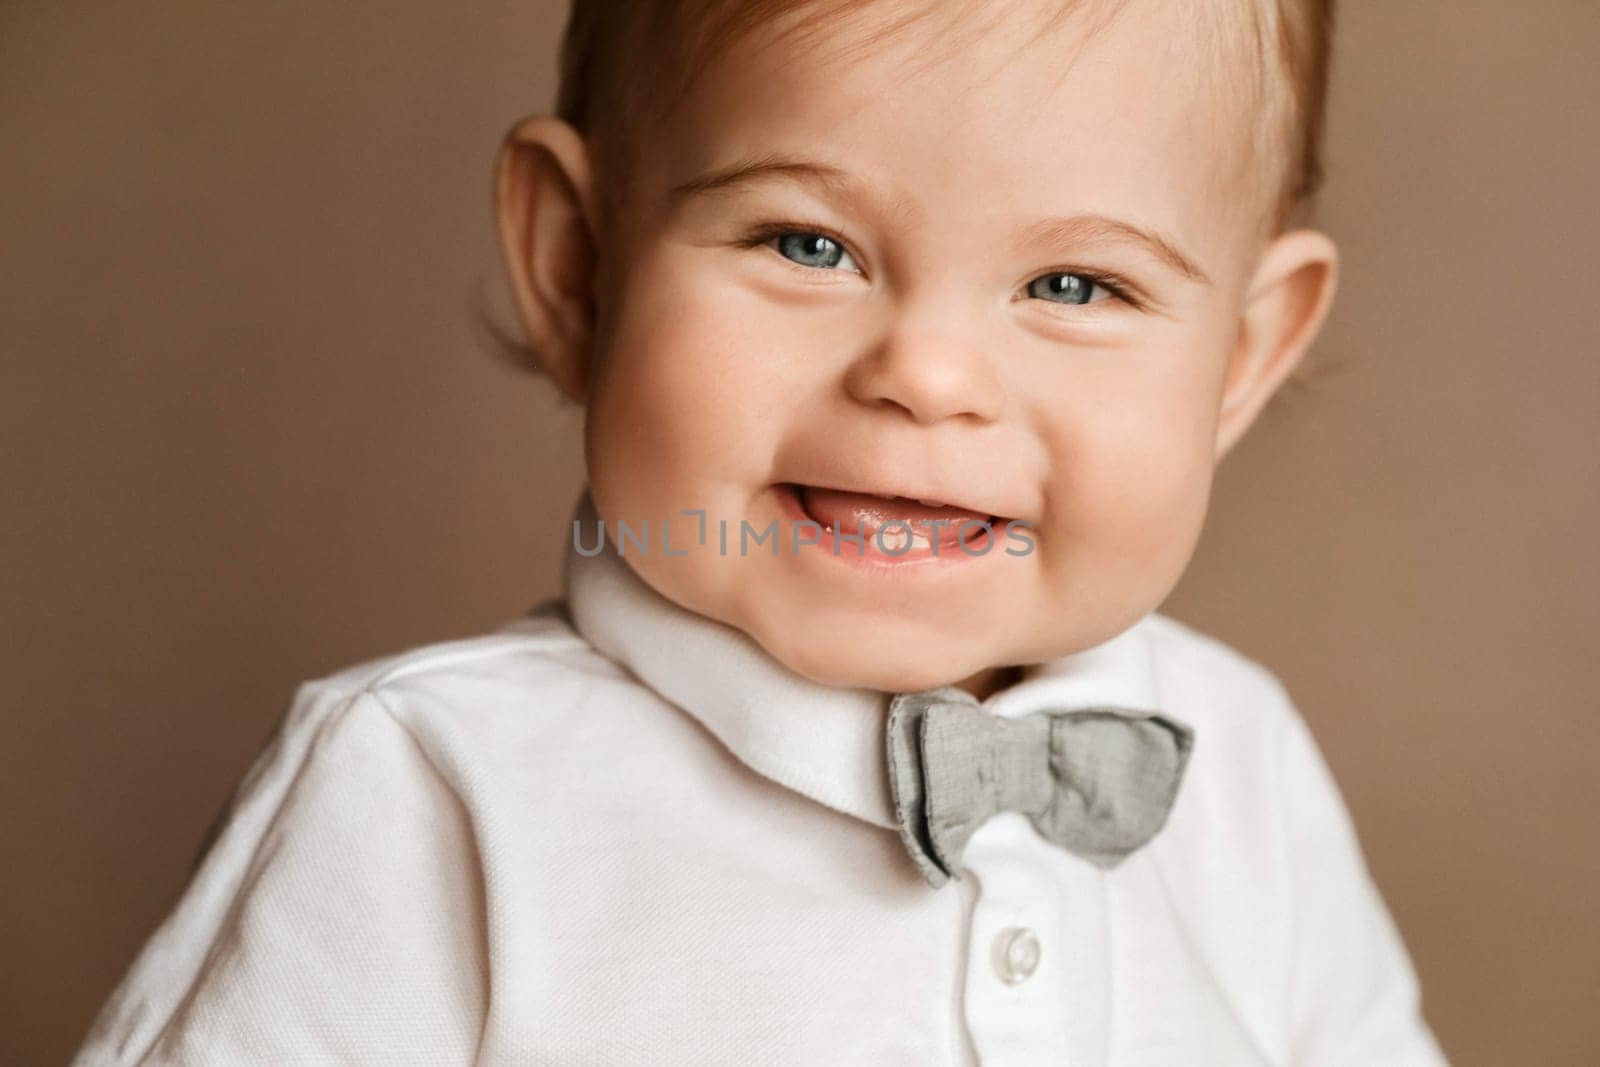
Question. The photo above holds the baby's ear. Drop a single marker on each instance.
(1284, 306)
(544, 210)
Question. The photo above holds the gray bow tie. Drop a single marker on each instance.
(1099, 782)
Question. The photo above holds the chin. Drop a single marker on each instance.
(845, 658)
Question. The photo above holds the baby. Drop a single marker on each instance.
(908, 337)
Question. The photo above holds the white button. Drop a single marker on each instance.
(1016, 954)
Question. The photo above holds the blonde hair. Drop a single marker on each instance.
(624, 62)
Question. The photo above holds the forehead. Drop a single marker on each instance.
(1005, 107)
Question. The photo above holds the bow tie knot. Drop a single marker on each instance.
(1099, 782)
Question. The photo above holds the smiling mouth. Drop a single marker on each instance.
(899, 522)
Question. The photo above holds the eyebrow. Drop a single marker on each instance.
(1091, 229)
(1066, 230)
(769, 166)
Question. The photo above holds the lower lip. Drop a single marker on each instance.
(868, 553)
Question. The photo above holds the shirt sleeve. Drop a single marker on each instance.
(337, 918)
(1354, 994)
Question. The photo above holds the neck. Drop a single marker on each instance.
(989, 681)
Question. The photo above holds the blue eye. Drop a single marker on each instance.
(1064, 288)
(811, 250)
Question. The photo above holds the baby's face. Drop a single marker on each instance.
(1005, 277)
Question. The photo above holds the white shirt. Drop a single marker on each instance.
(616, 832)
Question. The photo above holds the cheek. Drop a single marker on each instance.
(1132, 464)
(683, 398)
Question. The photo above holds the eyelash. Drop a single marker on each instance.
(1116, 284)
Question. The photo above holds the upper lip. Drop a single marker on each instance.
(917, 495)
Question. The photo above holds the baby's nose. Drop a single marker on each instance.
(928, 373)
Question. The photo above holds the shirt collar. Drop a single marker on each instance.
(825, 742)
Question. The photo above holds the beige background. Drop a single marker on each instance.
(247, 436)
